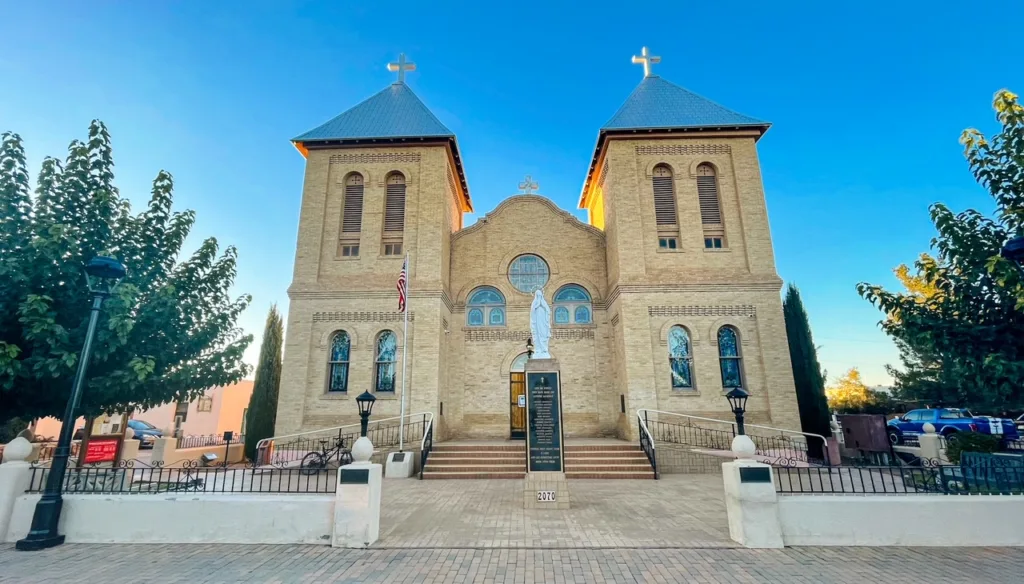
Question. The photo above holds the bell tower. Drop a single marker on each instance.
(383, 180)
(675, 184)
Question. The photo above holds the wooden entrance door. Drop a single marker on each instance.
(517, 405)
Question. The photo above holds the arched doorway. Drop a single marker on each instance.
(517, 397)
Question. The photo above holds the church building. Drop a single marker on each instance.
(665, 298)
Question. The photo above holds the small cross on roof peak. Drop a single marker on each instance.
(401, 67)
(647, 60)
(528, 186)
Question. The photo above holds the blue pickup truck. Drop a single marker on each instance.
(947, 422)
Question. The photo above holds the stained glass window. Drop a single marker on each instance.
(572, 305)
(496, 317)
(729, 358)
(491, 304)
(519, 364)
(582, 315)
(680, 358)
(337, 367)
(528, 273)
(387, 357)
(561, 315)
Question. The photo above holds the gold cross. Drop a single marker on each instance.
(647, 60)
(401, 67)
(528, 186)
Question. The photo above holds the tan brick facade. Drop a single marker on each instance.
(638, 291)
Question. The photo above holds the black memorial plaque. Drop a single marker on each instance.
(544, 422)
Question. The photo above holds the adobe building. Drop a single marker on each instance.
(664, 299)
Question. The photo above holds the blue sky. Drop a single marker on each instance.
(867, 103)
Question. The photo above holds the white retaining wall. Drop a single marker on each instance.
(186, 518)
(902, 520)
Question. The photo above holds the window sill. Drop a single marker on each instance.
(717, 250)
(573, 325)
(685, 393)
(390, 257)
(669, 250)
(386, 396)
(484, 327)
(332, 395)
(346, 258)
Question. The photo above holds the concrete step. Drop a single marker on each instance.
(610, 475)
(608, 447)
(605, 454)
(479, 447)
(477, 454)
(478, 459)
(574, 468)
(475, 469)
(473, 475)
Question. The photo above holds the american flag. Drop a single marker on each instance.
(402, 284)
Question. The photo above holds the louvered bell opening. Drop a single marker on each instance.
(707, 193)
(394, 209)
(664, 201)
(352, 221)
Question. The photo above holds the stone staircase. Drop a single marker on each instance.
(606, 461)
(476, 461)
(507, 460)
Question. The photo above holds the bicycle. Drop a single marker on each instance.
(315, 462)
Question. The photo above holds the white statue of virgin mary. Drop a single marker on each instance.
(540, 325)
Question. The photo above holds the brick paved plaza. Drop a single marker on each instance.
(672, 530)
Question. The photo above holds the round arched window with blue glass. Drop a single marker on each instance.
(528, 273)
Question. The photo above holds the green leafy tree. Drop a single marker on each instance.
(166, 334)
(960, 329)
(807, 375)
(262, 413)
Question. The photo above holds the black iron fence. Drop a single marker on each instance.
(929, 478)
(201, 441)
(383, 435)
(133, 477)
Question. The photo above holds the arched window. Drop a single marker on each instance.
(486, 305)
(394, 214)
(680, 358)
(528, 273)
(519, 363)
(665, 213)
(351, 216)
(337, 364)
(572, 305)
(729, 358)
(710, 207)
(387, 357)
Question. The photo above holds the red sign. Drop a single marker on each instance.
(101, 450)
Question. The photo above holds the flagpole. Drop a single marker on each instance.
(405, 358)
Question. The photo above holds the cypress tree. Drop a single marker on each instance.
(810, 383)
(259, 420)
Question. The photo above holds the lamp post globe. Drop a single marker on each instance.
(102, 275)
(365, 402)
(737, 398)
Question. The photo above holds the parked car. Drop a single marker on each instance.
(948, 422)
(145, 432)
(1020, 424)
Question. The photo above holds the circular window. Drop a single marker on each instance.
(528, 273)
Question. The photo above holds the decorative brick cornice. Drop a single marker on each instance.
(681, 149)
(360, 316)
(726, 310)
(484, 335)
(567, 217)
(375, 158)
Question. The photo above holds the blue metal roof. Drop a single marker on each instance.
(395, 112)
(656, 103)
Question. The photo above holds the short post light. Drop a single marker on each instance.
(738, 403)
(102, 274)
(365, 402)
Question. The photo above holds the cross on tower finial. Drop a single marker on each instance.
(528, 186)
(647, 60)
(401, 67)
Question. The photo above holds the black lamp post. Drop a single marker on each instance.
(529, 348)
(102, 275)
(1014, 250)
(738, 402)
(365, 403)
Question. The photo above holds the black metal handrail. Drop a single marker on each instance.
(427, 446)
(383, 436)
(647, 444)
(200, 441)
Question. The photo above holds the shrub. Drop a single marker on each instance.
(969, 442)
